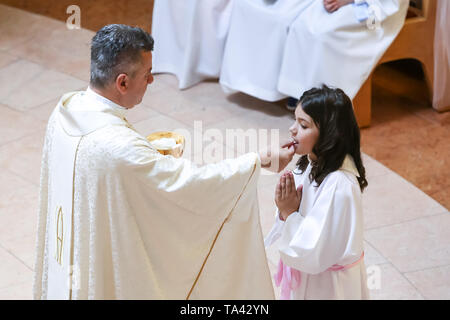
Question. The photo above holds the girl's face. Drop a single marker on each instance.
(304, 132)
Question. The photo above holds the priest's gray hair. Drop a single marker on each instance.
(116, 49)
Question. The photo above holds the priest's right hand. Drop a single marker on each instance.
(276, 159)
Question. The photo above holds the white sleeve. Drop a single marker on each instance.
(331, 231)
(203, 190)
(277, 229)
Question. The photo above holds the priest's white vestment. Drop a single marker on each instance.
(118, 220)
(336, 48)
(190, 37)
(327, 230)
(255, 45)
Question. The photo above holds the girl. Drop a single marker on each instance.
(319, 217)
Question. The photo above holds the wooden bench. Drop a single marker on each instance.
(415, 41)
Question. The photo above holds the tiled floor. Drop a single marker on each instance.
(407, 135)
(407, 234)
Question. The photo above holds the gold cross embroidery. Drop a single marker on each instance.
(59, 235)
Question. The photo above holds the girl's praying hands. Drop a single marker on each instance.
(287, 197)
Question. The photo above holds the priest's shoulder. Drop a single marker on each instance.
(120, 140)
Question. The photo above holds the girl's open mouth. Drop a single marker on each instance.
(293, 143)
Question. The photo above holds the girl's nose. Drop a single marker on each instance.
(292, 130)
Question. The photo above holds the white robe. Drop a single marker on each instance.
(139, 225)
(189, 38)
(327, 230)
(335, 48)
(255, 45)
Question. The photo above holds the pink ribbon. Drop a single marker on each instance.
(290, 278)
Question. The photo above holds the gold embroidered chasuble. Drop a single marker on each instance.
(118, 220)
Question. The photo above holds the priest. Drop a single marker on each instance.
(118, 220)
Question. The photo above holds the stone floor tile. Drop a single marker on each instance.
(392, 285)
(22, 291)
(23, 156)
(390, 199)
(432, 283)
(414, 245)
(12, 270)
(16, 124)
(33, 85)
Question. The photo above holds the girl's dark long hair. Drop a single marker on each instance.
(332, 112)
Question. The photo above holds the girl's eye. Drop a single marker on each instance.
(303, 127)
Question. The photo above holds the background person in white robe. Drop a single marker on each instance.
(319, 219)
(191, 38)
(255, 46)
(441, 83)
(118, 220)
(340, 46)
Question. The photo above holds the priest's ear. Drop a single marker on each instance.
(122, 83)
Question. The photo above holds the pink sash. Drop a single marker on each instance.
(290, 278)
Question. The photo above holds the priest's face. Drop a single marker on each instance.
(142, 78)
(304, 132)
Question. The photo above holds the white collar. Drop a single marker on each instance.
(103, 104)
(81, 113)
(347, 165)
